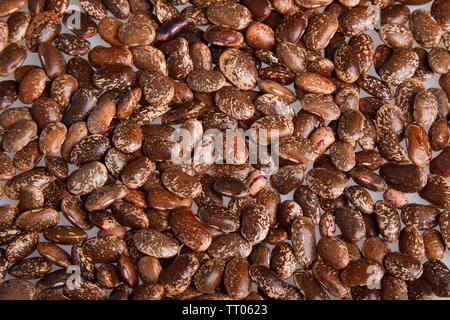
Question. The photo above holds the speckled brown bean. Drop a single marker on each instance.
(308, 286)
(287, 178)
(399, 67)
(178, 275)
(52, 60)
(104, 196)
(101, 56)
(85, 29)
(388, 221)
(113, 77)
(155, 243)
(136, 172)
(218, 216)
(324, 184)
(86, 291)
(149, 269)
(437, 275)
(403, 266)
(30, 268)
(77, 132)
(181, 184)
(439, 136)
(45, 111)
(72, 44)
(268, 281)
(375, 87)
(411, 243)
(305, 123)
(8, 213)
(329, 278)
(136, 34)
(7, 169)
(82, 102)
(395, 198)
(360, 198)
(418, 145)
(346, 64)
(162, 199)
(395, 14)
(321, 28)
(130, 215)
(260, 36)
(8, 234)
(315, 83)
(11, 58)
(304, 241)
(52, 138)
(444, 225)
(209, 275)
(18, 23)
(309, 202)
(22, 246)
(10, 6)
(229, 245)
(237, 68)
(255, 223)
(223, 36)
(236, 278)
(334, 251)
(119, 8)
(437, 191)
(375, 248)
(89, 177)
(107, 276)
(107, 29)
(297, 149)
(393, 288)
(404, 177)
(362, 272)
(32, 86)
(342, 155)
(8, 93)
(62, 89)
(54, 254)
(94, 8)
(292, 56)
(19, 135)
(65, 235)
(44, 27)
(30, 198)
(425, 108)
(38, 220)
(434, 246)
(391, 150)
(425, 29)
(357, 20)
(156, 87)
(420, 215)
(39, 177)
(104, 249)
(189, 230)
(260, 255)
(234, 103)
(396, 36)
(351, 223)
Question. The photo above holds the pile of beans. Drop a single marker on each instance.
(101, 210)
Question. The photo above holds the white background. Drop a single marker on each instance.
(33, 59)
